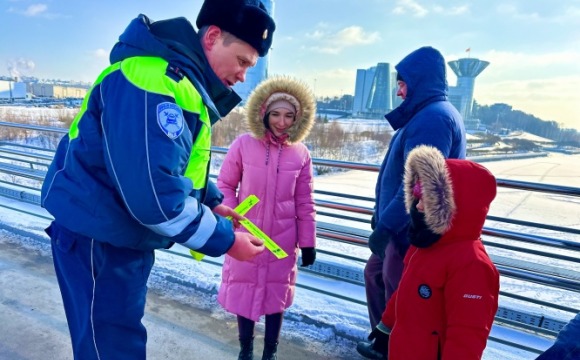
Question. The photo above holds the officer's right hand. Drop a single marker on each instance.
(245, 247)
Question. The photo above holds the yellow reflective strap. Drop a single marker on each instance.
(269, 243)
(246, 205)
(241, 209)
(73, 131)
(196, 255)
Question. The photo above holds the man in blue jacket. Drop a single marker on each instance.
(425, 117)
(567, 344)
(131, 176)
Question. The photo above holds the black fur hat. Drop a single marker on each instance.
(248, 20)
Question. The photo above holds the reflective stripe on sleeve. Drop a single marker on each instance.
(176, 225)
(206, 228)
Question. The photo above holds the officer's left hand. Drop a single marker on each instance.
(226, 211)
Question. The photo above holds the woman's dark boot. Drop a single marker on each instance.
(270, 349)
(247, 349)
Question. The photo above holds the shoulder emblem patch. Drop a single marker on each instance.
(424, 291)
(170, 119)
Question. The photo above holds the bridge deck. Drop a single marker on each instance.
(34, 326)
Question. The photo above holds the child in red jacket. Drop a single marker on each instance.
(448, 295)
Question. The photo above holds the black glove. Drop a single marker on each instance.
(308, 256)
(380, 335)
(373, 222)
(378, 242)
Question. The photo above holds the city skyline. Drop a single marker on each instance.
(533, 47)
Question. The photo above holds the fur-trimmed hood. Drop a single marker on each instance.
(255, 107)
(456, 193)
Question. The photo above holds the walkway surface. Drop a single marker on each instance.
(33, 324)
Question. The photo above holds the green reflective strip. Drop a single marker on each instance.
(186, 97)
(73, 131)
(200, 156)
(149, 74)
(241, 209)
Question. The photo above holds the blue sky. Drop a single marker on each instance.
(533, 45)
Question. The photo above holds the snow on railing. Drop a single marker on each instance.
(344, 219)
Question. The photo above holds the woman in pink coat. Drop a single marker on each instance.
(271, 163)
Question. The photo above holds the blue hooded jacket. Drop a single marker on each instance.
(425, 117)
(120, 176)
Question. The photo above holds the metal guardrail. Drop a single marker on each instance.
(35, 160)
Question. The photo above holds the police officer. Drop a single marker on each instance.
(131, 175)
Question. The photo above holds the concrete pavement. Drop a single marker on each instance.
(33, 324)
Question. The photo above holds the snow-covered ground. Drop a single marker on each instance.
(339, 324)
(336, 323)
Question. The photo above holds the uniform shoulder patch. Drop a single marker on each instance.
(170, 119)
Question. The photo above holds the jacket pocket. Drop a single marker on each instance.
(61, 240)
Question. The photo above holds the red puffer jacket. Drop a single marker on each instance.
(448, 294)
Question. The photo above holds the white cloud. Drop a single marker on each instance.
(417, 10)
(334, 43)
(573, 11)
(35, 10)
(513, 11)
(332, 82)
(451, 11)
(101, 53)
(510, 61)
(543, 84)
(548, 99)
(316, 34)
(355, 35)
(21, 67)
(410, 6)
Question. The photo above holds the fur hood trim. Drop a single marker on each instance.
(428, 164)
(258, 100)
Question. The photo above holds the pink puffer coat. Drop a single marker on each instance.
(279, 173)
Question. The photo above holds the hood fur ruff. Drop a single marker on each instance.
(258, 99)
(428, 164)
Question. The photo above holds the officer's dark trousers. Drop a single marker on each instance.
(103, 289)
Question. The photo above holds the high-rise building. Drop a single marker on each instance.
(461, 96)
(380, 100)
(396, 101)
(372, 93)
(258, 73)
(362, 89)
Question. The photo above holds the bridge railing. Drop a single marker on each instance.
(343, 229)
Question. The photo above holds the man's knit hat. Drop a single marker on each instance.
(247, 20)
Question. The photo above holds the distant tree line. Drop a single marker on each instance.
(327, 139)
(502, 116)
(344, 102)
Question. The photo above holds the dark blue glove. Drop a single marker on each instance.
(380, 335)
(373, 222)
(377, 349)
(308, 256)
(378, 242)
